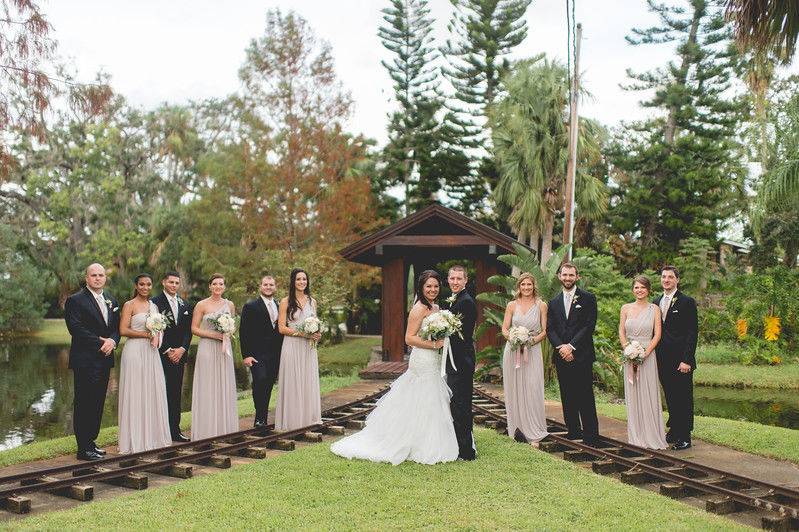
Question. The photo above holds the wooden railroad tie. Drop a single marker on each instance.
(134, 481)
(173, 470)
(282, 445)
(17, 505)
(216, 460)
(79, 492)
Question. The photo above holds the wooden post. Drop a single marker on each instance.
(485, 269)
(393, 309)
(571, 168)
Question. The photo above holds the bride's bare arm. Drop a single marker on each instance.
(414, 323)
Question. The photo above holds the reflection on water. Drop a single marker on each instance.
(36, 392)
(769, 407)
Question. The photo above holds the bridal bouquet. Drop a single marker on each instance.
(156, 323)
(441, 324)
(310, 325)
(634, 354)
(225, 323)
(519, 338)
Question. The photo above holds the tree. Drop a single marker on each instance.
(531, 148)
(765, 25)
(678, 174)
(483, 34)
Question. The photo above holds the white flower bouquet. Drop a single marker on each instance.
(634, 354)
(225, 323)
(156, 323)
(441, 324)
(519, 338)
(310, 326)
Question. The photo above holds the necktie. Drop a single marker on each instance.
(664, 306)
(103, 308)
(567, 303)
(270, 307)
(174, 306)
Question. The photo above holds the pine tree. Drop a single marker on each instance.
(483, 34)
(678, 174)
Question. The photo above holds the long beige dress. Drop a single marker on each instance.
(143, 415)
(299, 402)
(524, 386)
(645, 426)
(213, 396)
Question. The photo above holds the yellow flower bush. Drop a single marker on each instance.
(772, 328)
(741, 327)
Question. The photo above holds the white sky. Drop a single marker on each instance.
(179, 50)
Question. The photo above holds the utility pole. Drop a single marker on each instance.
(571, 167)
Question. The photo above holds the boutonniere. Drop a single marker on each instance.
(107, 302)
(574, 299)
(180, 301)
(673, 300)
(451, 299)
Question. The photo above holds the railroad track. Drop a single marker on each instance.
(746, 499)
(77, 481)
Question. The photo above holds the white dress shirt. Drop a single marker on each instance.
(101, 303)
(568, 297)
(665, 302)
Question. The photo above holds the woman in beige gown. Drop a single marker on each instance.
(143, 415)
(640, 321)
(299, 401)
(524, 385)
(213, 396)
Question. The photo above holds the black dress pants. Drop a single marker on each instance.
(461, 384)
(264, 375)
(678, 388)
(91, 385)
(577, 397)
(173, 376)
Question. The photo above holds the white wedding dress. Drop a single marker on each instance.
(411, 422)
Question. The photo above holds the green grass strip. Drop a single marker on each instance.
(782, 377)
(764, 440)
(510, 486)
(109, 435)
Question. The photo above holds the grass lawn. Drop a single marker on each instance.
(781, 377)
(351, 354)
(510, 486)
(109, 435)
(53, 331)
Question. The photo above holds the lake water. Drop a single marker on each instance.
(36, 395)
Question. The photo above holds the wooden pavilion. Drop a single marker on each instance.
(423, 239)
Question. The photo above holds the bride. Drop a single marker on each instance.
(413, 420)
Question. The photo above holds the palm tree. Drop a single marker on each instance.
(530, 136)
(766, 25)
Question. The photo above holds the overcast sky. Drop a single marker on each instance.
(180, 50)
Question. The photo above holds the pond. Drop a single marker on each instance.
(769, 407)
(36, 392)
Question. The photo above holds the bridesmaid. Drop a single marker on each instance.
(298, 399)
(143, 415)
(213, 397)
(640, 321)
(524, 386)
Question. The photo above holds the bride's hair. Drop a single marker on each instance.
(423, 278)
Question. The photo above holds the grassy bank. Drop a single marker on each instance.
(351, 354)
(781, 377)
(510, 486)
(108, 436)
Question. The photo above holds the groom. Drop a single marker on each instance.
(460, 378)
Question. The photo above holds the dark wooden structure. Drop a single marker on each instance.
(422, 240)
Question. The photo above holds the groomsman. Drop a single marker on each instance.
(571, 319)
(92, 318)
(260, 345)
(676, 357)
(461, 378)
(174, 348)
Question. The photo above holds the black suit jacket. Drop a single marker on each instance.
(86, 325)
(463, 348)
(175, 335)
(680, 331)
(260, 338)
(577, 330)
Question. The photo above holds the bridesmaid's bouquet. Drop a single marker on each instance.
(225, 323)
(441, 324)
(634, 354)
(156, 323)
(310, 325)
(519, 338)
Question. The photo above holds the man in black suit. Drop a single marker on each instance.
(571, 319)
(461, 378)
(260, 345)
(676, 356)
(92, 317)
(174, 347)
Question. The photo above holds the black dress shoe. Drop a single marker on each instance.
(591, 442)
(519, 436)
(670, 437)
(681, 445)
(571, 436)
(259, 424)
(99, 451)
(180, 438)
(89, 455)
